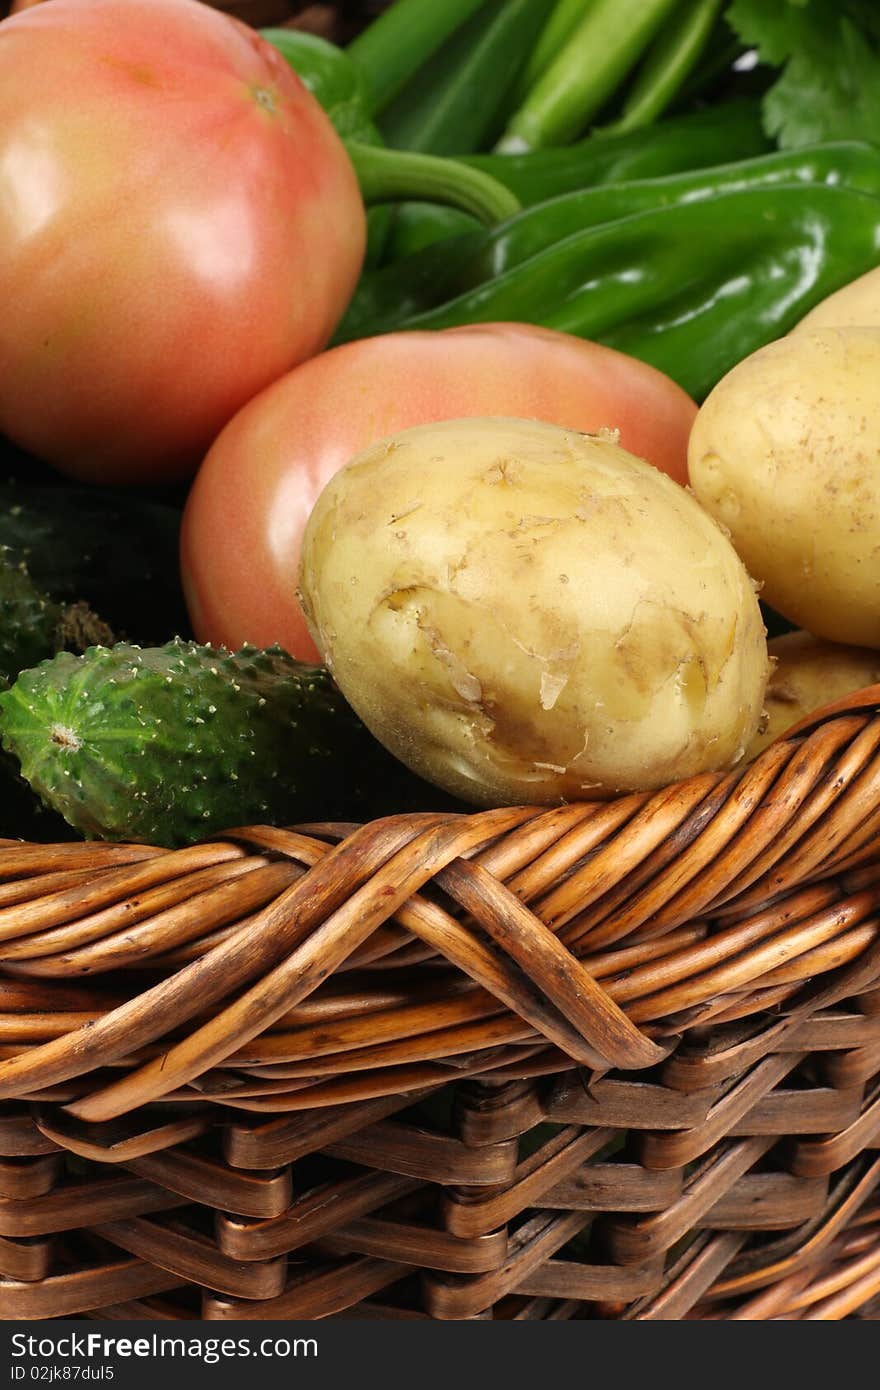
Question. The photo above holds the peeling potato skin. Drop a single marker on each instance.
(524, 614)
(785, 453)
(807, 674)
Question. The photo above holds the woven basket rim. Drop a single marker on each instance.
(282, 969)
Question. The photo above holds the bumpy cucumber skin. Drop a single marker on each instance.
(29, 632)
(29, 620)
(166, 745)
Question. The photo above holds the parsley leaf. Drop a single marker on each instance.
(829, 52)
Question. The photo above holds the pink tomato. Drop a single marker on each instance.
(249, 505)
(179, 225)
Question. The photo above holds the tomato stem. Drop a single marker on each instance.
(393, 176)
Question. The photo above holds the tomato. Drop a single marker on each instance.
(179, 226)
(249, 505)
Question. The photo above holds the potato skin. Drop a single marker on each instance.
(524, 614)
(856, 305)
(785, 453)
(807, 674)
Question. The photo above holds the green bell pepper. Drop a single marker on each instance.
(468, 264)
(720, 133)
(691, 287)
(729, 132)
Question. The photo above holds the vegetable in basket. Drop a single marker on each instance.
(523, 614)
(391, 49)
(680, 144)
(785, 453)
(270, 463)
(33, 626)
(807, 674)
(854, 305)
(543, 67)
(602, 49)
(694, 141)
(669, 62)
(167, 744)
(454, 103)
(691, 288)
(332, 78)
(829, 54)
(471, 263)
(340, 87)
(179, 225)
(113, 550)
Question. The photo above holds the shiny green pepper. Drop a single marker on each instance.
(679, 144)
(430, 279)
(692, 285)
(727, 132)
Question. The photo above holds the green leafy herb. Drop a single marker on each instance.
(829, 53)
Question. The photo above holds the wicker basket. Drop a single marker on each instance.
(606, 1060)
(612, 1060)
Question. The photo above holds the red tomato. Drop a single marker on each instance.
(249, 505)
(179, 225)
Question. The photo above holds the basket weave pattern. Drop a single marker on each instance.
(613, 1059)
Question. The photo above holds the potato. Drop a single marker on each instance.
(808, 674)
(785, 453)
(522, 613)
(856, 305)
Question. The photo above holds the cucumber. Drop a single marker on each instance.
(33, 627)
(22, 814)
(29, 620)
(166, 745)
(115, 551)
